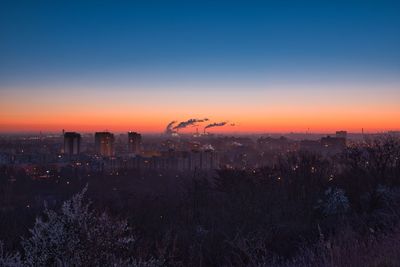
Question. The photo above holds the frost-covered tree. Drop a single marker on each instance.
(76, 236)
(8, 259)
(334, 202)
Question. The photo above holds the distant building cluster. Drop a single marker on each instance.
(180, 161)
(107, 152)
(191, 158)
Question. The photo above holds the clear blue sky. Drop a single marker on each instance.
(199, 38)
(195, 44)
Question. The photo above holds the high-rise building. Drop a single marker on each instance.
(134, 142)
(72, 143)
(104, 143)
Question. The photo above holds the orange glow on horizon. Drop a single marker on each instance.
(261, 110)
(156, 124)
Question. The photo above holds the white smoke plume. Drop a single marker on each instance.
(189, 122)
(216, 124)
(169, 128)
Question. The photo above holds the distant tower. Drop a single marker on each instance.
(104, 143)
(72, 143)
(134, 142)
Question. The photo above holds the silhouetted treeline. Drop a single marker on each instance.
(306, 210)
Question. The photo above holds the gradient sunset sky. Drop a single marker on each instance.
(267, 66)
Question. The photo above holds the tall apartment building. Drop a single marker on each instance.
(72, 143)
(104, 143)
(134, 142)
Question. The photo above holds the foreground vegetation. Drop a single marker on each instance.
(306, 210)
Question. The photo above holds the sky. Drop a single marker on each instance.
(267, 66)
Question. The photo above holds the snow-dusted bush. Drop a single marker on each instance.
(389, 196)
(334, 202)
(8, 259)
(76, 236)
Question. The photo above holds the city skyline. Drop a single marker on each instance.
(200, 133)
(266, 67)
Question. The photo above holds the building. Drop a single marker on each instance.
(333, 145)
(312, 146)
(181, 161)
(134, 142)
(274, 144)
(394, 133)
(104, 144)
(72, 143)
(341, 134)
